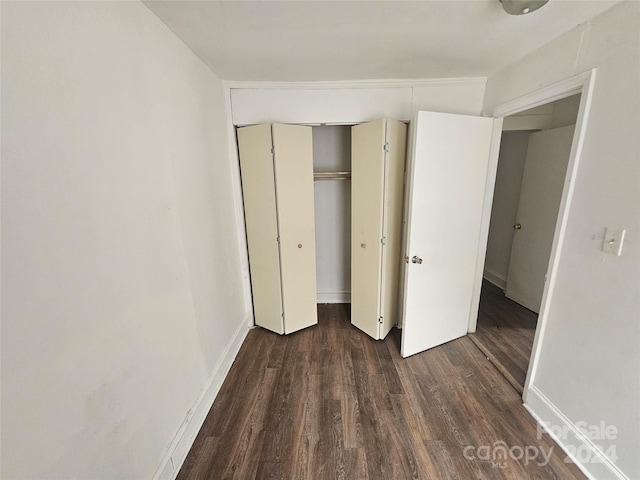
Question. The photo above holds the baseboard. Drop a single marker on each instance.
(334, 297)
(176, 454)
(591, 460)
(495, 278)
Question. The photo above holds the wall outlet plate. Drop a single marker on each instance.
(613, 239)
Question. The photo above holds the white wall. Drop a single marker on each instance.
(565, 111)
(121, 282)
(588, 363)
(513, 152)
(332, 152)
(557, 114)
(352, 102)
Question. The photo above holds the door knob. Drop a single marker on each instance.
(517, 226)
(416, 259)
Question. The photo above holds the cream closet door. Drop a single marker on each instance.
(293, 160)
(256, 164)
(446, 182)
(377, 167)
(392, 225)
(277, 187)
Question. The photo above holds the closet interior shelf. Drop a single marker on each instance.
(331, 175)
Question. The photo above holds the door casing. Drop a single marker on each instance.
(580, 84)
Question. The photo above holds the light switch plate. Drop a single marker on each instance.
(613, 239)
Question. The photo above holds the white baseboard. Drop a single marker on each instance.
(494, 277)
(176, 454)
(334, 297)
(598, 466)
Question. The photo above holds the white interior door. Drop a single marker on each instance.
(542, 184)
(367, 190)
(446, 184)
(293, 161)
(258, 192)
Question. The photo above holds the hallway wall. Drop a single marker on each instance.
(513, 153)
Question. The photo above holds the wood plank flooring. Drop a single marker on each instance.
(328, 402)
(505, 333)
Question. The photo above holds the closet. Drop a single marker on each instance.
(276, 163)
(357, 199)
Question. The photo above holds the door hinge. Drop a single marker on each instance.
(380, 320)
(383, 240)
(273, 151)
(282, 315)
(386, 147)
(278, 239)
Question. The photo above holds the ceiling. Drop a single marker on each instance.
(362, 40)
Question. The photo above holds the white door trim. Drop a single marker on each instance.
(584, 84)
(557, 91)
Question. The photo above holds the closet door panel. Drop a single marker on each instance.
(293, 163)
(367, 183)
(392, 228)
(256, 165)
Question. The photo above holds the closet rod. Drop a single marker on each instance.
(331, 175)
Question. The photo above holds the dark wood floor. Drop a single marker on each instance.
(505, 334)
(328, 402)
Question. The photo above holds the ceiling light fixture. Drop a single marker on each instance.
(521, 7)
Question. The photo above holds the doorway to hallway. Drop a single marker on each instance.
(532, 169)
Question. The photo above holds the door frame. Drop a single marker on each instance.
(583, 84)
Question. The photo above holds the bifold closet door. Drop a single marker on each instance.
(378, 151)
(258, 191)
(293, 160)
(396, 142)
(367, 191)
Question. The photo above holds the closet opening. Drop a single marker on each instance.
(332, 196)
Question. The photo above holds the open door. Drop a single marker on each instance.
(445, 194)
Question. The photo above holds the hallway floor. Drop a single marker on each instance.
(505, 333)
